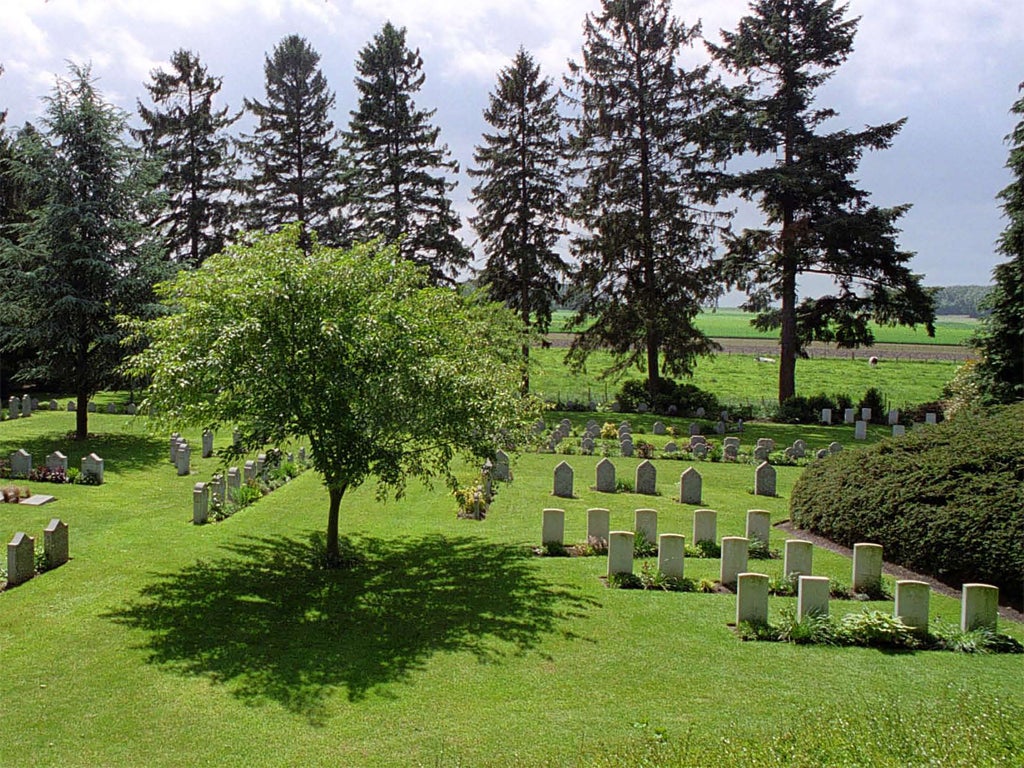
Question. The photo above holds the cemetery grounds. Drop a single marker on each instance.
(447, 641)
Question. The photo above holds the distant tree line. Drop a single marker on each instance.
(615, 186)
(966, 300)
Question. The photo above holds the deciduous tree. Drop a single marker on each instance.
(817, 220)
(399, 181)
(519, 197)
(351, 350)
(187, 134)
(640, 150)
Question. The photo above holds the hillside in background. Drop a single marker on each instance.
(961, 299)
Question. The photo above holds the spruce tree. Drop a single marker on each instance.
(1001, 340)
(520, 203)
(293, 151)
(189, 137)
(641, 153)
(817, 221)
(399, 186)
(82, 258)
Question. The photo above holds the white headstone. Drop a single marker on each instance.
(797, 558)
(898, 430)
(620, 552)
(249, 469)
(605, 476)
(752, 598)
(21, 559)
(894, 416)
(867, 567)
(860, 430)
(554, 527)
(646, 478)
(734, 559)
(645, 523)
(207, 444)
(57, 461)
(13, 408)
(812, 596)
(759, 523)
(671, 554)
(234, 482)
(979, 607)
(690, 486)
(849, 416)
(705, 525)
(764, 480)
(55, 543)
(93, 465)
(183, 459)
(598, 521)
(912, 603)
(865, 414)
(21, 463)
(200, 503)
(563, 481)
(930, 418)
(826, 415)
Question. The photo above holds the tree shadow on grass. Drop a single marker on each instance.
(120, 452)
(273, 625)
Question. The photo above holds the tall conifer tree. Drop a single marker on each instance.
(639, 145)
(817, 220)
(82, 258)
(519, 198)
(188, 135)
(1001, 340)
(399, 184)
(293, 151)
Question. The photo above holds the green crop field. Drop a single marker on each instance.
(742, 380)
(727, 323)
(445, 642)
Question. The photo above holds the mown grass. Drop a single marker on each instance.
(731, 323)
(741, 380)
(446, 642)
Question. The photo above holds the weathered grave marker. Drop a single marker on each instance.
(705, 525)
(646, 478)
(21, 559)
(563, 481)
(605, 476)
(751, 598)
(671, 554)
(690, 486)
(764, 480)
(734, 559)
(55, 543)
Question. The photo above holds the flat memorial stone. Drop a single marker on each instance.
(37, 500)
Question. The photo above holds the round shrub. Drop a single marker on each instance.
(686, 398)
(947, 500)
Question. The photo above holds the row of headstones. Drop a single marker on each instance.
(979, 607)
(21, 552)
(979, 603)
(850, 416)
(223, 487)
(23, 407)
(705, 528)
(21, 464)
(592, 431)
(646, 480)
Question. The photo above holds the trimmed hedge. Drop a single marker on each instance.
(947, 500)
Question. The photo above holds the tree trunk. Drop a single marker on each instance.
(333, 550)
(82, 416)
(787, 336)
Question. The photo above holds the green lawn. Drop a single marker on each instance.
(730, 323)
(446, 643)
(742, 380)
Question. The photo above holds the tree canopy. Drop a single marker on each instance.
(398, 184)
(352, 350)
(82, 257)
(642, 166)
(293, 150)
(1001, 340)
(188, 136)
(817, 220)
(519, 197)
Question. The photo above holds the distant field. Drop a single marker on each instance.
(735, 324)
(742, 380)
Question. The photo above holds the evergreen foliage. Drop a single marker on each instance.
(352, 350)
(1001, 341)
(946, 500)
(82, 258)
(640, 152)
(519, 198)
(817, 220)
(398, 186)
(293, 151)
(188, 136)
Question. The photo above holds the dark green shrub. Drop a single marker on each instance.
(686, 398)
(947, 501)
(874, 400)
(796, 410)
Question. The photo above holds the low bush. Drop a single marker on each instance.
(685, 398)
(947, 500)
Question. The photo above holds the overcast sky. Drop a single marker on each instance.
(950, 66)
